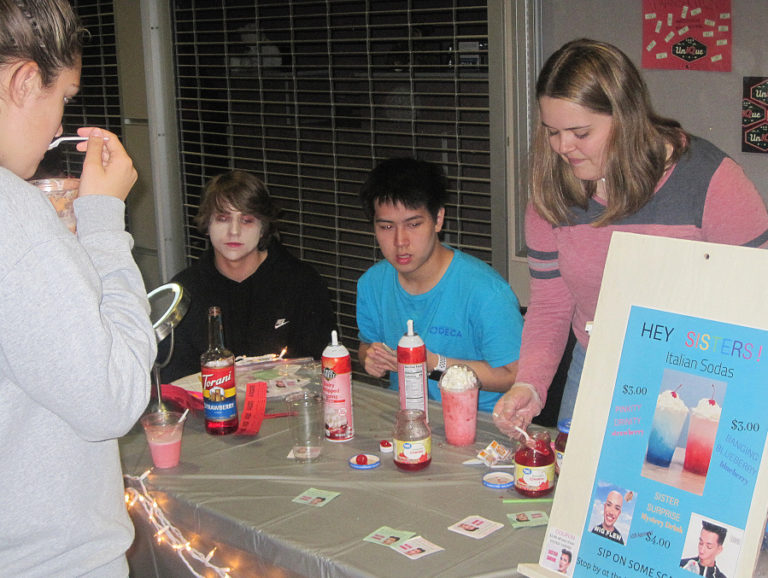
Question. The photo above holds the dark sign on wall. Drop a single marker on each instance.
(754, 115)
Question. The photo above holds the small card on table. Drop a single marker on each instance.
(315, 497)
(475, 527)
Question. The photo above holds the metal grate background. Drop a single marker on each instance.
(310, 94)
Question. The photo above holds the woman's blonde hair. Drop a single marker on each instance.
(602, 79)
(46, 32)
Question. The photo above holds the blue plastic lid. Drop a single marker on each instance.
(373, 462)
(498, 480)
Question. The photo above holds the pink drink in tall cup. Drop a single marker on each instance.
(702, 432)
(458, 391)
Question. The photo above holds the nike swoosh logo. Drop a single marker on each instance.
(280, 322)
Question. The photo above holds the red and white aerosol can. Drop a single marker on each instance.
(337, 391)
(412, 371)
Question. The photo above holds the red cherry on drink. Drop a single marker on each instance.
(674, 394)
(711, 402)
(361, 459)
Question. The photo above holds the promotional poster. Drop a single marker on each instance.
(681, 450)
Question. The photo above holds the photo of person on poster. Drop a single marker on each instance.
(564, 563)
(612, 511)
(708, 548)
(612, 506)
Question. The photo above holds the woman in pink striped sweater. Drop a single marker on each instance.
(604, 161)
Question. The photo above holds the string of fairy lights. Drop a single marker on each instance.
(166, 533)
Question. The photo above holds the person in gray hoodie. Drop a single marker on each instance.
(76, 342)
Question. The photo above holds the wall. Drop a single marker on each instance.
(140, 203)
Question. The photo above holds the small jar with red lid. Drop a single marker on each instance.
(563, 428)
(535, 465)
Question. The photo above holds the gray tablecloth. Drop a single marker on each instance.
(235, 493)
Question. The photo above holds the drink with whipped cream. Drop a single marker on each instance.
(668, 421)
(702, 431)
(458, 391)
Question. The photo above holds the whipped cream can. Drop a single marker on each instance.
(337, 391)
(412, 371)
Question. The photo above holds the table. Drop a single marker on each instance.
(236, 493)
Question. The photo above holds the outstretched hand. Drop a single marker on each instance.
(107, 169)
(515, 409)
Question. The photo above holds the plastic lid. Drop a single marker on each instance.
(564, 425)
(335, 348)
(371, 461)
(498, 480)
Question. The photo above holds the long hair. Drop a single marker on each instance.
(46, 32)
(602, 79)
(243, 192)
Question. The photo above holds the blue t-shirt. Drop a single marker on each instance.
(472, 313)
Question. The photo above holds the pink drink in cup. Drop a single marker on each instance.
(702, 431)
(165, 455)
(163, 430)
(458, 390)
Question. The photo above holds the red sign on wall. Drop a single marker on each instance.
(681, 35)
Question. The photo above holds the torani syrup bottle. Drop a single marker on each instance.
(218, 377)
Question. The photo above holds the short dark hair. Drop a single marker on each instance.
(714, 528)
(245, 193)
(410, 182)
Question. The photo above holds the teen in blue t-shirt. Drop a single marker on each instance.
(463, 310)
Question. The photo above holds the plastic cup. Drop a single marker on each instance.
(61, 192)
(701, 439)
(668, 421)
(163, 430)
(458, 391)
(307, 423)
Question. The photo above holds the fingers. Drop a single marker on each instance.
(514, 412)
(380, 359)
(107, 168)
(95, 148)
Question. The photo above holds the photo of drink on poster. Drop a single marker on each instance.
(683, 430)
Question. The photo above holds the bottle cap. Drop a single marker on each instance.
(364, 461)
(498, 480)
